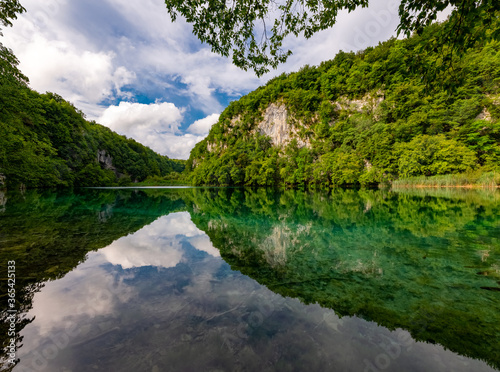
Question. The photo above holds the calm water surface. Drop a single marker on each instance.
(253, 280)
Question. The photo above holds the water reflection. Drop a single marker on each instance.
(167, 305)
(49, 233)
(428, 265)
(158, 244)
(163, 299)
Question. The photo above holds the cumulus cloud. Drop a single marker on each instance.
(118, 31)
(158, 244)
(174, 146)
(203, 243)
(202, 126)
(89, 291)
(134, 118)
(157, 126)
(79, 75)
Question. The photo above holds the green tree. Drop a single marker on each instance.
(8, 61)
(8, 11)
(243, 29)
(355, 116)
(9, 73)
(346, 168)
(432, 155)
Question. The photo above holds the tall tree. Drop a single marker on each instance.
(252, 31)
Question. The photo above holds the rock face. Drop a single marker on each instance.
(282, 127)
(367, 103)
(3, 201)
(484, 115)
(276, 124)
(3, 180)
(105, 159)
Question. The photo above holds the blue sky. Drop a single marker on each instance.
(127, 66)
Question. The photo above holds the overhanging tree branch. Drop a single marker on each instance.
(231, 27)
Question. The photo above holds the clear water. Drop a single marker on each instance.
(253, 280)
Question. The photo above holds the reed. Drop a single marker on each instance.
(487, 179)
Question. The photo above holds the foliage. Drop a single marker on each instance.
(8, 11)
(469, 179)
(173, 178)
(433, 155)
(49, 233)
(378, 255)
(46, 142)
(365, 118)
(242, 28)
(8, 68)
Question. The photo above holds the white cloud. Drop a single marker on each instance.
(155, 125)
(203, 243)
(174, 146)
(89, 291)
(137, 251)
(158, 244)
(79, 75)
(202, 126)
(169, 53)
(171, 49)
(131, 118)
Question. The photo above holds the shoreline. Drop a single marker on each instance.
(444, 186)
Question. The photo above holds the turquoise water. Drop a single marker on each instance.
(253, 280)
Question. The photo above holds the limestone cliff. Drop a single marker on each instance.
(105, 160)
(277, 124)
(281, 126)
(360, 119)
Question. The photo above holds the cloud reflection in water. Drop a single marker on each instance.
(162, 299)
(158, 244)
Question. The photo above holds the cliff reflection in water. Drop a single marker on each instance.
(427, 264)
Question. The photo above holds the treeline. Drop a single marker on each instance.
(402, 109)
(46, 142)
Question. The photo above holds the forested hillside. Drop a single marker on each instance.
(402, 109)
(46, 142)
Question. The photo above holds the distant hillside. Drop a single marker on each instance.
(405, 108)
(46, 142)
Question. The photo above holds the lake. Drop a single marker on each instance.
(207, 279)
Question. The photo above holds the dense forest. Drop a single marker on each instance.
(403, 109)
(46, 142)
